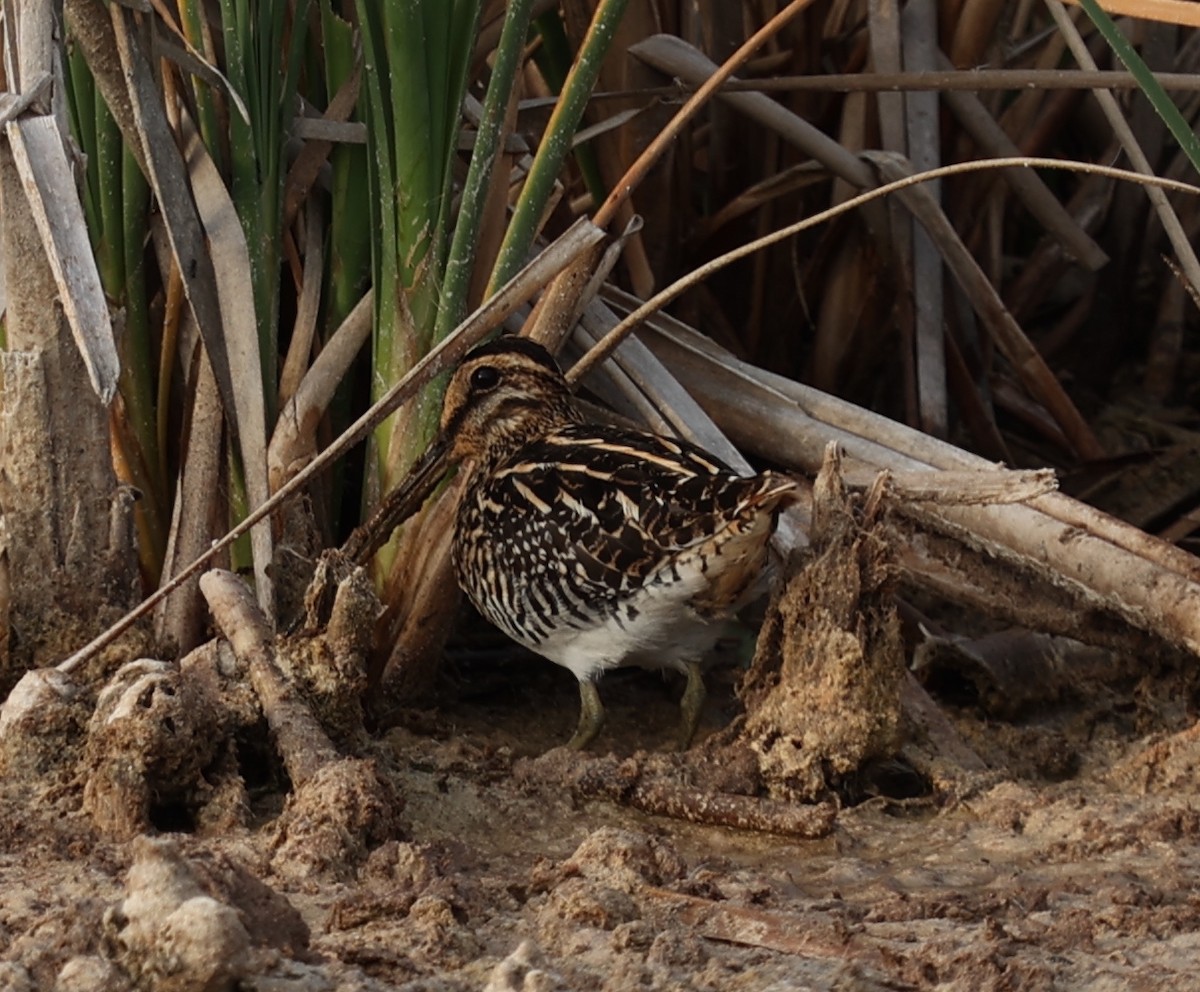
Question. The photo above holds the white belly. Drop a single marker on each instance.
(661, 631)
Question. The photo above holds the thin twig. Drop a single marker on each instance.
(654, 151)
(965, 79)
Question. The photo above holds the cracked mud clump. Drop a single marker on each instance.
(822, 695)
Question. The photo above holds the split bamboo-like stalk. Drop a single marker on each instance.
(1098, 561)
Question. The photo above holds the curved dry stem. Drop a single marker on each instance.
(294, 440)
(613, 339)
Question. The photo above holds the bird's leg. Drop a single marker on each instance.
(591, 716)
(691, 704)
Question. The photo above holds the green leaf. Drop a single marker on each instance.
(556, 142)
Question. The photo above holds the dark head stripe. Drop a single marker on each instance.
(510, 345)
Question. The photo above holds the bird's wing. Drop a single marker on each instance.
(620, 505)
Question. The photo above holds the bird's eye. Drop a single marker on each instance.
(485, 377)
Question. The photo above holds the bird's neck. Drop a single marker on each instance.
(507, 436)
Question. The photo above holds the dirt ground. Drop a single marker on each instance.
(1024, 819)
(1071, 862)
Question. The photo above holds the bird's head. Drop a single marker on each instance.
(505, 393)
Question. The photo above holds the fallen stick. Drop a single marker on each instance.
(680, 802)
(635, 782)
(303, 744)
(340, 807)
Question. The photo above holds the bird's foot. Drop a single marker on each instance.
(591, 717)
(691, 705)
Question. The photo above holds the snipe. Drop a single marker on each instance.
(593, 546)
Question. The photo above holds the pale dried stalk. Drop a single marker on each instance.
(294, 442)
(972, 576)
(304, 328)
(650, 392)
(230, 260)
(41, 161)
(918, 24)
(180, 619)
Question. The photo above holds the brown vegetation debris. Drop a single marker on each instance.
(624, 859)
(1164, 766)
(327, 660)
(42, 728)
